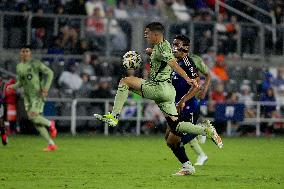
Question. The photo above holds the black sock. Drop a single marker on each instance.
(2, 130)
(179, 152)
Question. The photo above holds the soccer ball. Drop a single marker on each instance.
(131, 60)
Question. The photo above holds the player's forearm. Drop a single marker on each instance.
(189, 95)
(207, 81)
(49, 78)
(178, 69)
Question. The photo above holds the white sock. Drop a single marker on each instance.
(51, 142)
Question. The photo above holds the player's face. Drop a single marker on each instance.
(150, 36)
(177, 44)
(25, 54)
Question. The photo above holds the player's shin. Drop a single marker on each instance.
(44, 133)
(179, 152)
(196, 147)
(120, 98)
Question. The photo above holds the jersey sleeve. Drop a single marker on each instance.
(166, 52)
(200, 65)
(19, 82)
(47, 72)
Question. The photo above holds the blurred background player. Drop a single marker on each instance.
(10, 99)
(2, 126)
(30, 74)
(160, 89)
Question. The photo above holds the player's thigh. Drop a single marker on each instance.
(37, 105)
(134, 83)
(169, 109)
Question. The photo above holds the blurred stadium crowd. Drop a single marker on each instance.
(95, 77)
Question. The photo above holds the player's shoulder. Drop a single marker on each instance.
(36, 62)
(195, 57)
(164, 45)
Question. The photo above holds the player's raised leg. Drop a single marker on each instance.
(125, 84)
(204, 128)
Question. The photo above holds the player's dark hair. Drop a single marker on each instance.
(26, 47)
(185, 40)
(156, 26)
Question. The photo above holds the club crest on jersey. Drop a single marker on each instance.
(29, 76)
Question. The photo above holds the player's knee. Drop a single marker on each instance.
(172, 143)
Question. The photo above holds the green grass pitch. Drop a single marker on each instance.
(122, 162)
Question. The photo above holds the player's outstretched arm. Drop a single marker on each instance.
(174, 65)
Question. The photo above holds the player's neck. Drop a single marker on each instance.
(159, 40)
(182, 57)
(26, 60)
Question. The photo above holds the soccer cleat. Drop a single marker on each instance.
(4, 138)
(212, 133)
(201, 159)
(52, 129)
(201, 139)
(108, 118)
(185, 170)
(50, 147)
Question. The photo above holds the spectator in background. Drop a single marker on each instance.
(218, 94)
(68, 29)
(103, 90)
(82, 47)
(86, 88)
(245, 96)
(280, 99)
(95, 5)
(118, 38)
(206, 41)
(268, 110)
(233, 29)
(279, 80)
(267, 83)
(87, 67)
(40, 29)
(180, 10)
(279, 14)
(209, 57)
(69, 81)
(220, 69)
(120, 11)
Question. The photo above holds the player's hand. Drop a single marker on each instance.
(180, 105)
(44, 93)
(202, 94)
(149, 51)
(192, 82)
